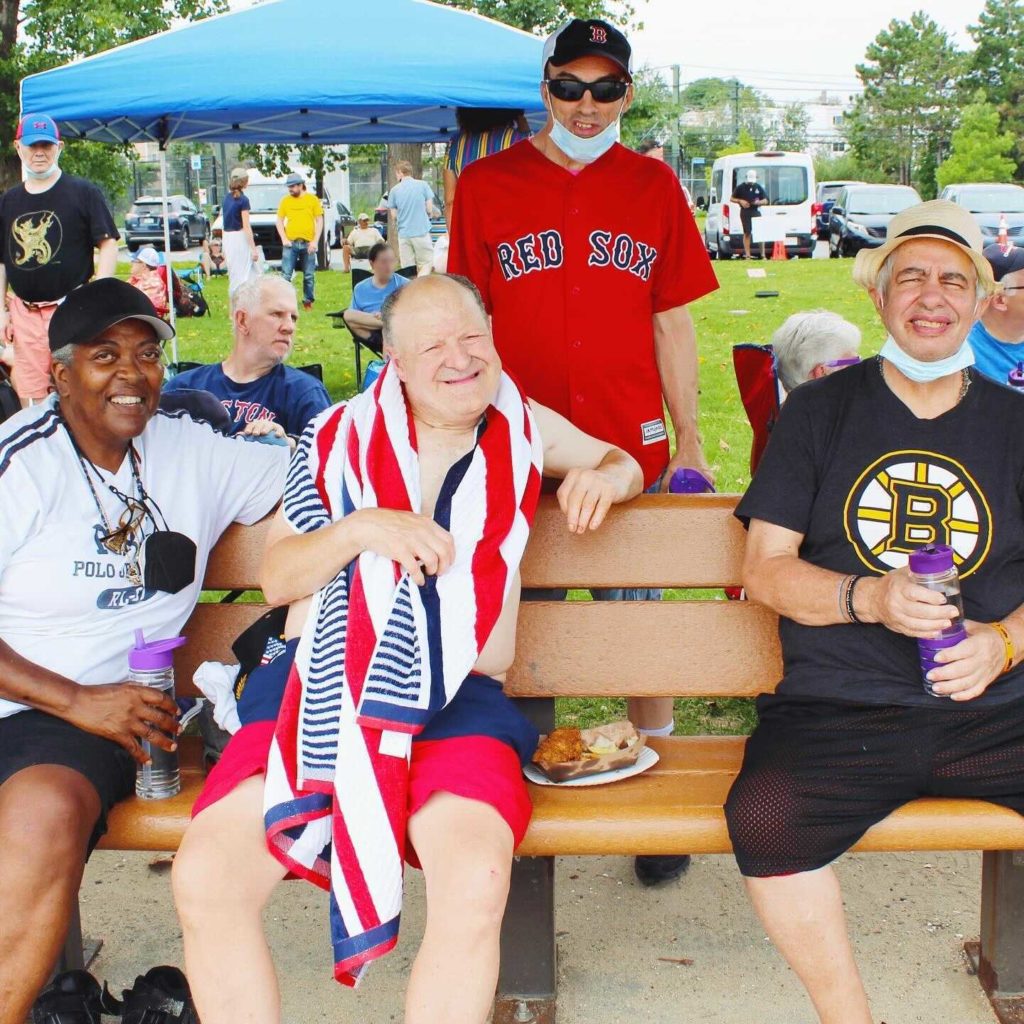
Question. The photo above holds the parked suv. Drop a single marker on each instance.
(144, 224)
(861, 214)
(828, 192)
(989, 204)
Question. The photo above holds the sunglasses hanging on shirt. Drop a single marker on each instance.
(166, 559)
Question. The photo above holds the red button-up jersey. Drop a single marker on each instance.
(572, 268)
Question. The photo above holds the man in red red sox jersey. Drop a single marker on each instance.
(587, 256)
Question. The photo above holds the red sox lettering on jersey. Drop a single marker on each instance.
(543, 250)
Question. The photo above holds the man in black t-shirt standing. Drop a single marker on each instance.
(750, 197)
(864, 466)
(49, 226)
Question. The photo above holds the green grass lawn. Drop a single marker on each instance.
(729, 316)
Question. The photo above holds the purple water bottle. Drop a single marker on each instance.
(933, 567)
(151, 663)
(1016, 378)
(689, 481)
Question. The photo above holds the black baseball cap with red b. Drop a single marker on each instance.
(587, 37)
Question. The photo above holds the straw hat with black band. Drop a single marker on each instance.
(939, 219)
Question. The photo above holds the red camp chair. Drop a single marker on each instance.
(758, 381)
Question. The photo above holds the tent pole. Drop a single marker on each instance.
(167, 251)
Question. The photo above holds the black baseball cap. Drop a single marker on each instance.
(587, 37)
(88, 311)
(1004, 261)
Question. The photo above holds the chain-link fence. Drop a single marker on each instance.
(205, 185)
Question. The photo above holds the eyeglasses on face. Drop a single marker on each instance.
(1014, 288)
(604, 90)
(836, 364)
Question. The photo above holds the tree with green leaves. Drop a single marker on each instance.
(981, 152)
(997, 67)
(544, 16)
(791, 133)
(36, 35)
(653, 111)
(904, 118)
(717, 111)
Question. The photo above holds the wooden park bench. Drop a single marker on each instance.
(693, 648)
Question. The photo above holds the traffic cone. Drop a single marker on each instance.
(1003, 238)
(779, 251)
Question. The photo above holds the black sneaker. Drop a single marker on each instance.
(74, 997)
(661, 869)
(161, 996)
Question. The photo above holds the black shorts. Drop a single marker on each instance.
(31, 738)
(817, 775)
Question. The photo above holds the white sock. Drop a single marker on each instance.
(664, 730)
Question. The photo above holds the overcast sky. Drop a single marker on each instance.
(799, 46)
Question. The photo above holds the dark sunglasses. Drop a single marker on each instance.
(604, 90)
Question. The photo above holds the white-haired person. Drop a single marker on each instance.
(814, 344)
(864, 467)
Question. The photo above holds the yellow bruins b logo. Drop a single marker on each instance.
(907, 499)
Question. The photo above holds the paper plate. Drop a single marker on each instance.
(648, 759)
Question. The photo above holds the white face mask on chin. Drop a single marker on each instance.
(585, 151)
(925, 372)
(42, 175)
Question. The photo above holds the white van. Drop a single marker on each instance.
(788, 178)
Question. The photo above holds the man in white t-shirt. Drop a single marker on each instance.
(110, 509)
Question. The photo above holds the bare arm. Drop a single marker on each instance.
(281, 232)
(595, 475)
(296, 565)
(318, 228)
(450, 180)
(775, 576)
(106, 257)
(357, 318)
(5, 323)
(247, 230)
(675, 350)
(121, 712)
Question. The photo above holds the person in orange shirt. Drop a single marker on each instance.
(300, 219)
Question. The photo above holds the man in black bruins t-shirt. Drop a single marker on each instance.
(863, 467)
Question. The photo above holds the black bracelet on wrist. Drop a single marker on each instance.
(849, 598)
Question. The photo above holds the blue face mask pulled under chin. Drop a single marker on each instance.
(922, 372)
(584, 151)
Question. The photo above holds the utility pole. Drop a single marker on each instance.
(676, 155)
(736, 110)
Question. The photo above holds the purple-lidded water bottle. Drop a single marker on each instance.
(152, 664)
(933, 567)
(689, 481)
(1016, 378)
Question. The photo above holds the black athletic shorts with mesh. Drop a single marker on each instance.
(817, 775)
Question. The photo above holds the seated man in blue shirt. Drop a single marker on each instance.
(261, 394)
(998, 337)
(363, 316)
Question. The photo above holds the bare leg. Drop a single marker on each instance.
(47, 814)
(650, 713)
(803, 915)
(465, 848)
(223, 876)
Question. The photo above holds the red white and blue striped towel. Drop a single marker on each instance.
(379, 656)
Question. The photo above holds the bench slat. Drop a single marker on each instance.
(639, 545)
(676, 807)
(645, 648)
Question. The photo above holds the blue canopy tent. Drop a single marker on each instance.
(259, 75)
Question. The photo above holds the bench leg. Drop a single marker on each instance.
(527, 981)
(78, 953)
(359, 363)
(999, 957)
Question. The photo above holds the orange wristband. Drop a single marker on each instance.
(1010, 650)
